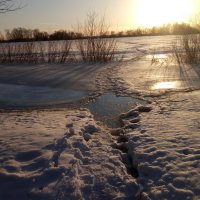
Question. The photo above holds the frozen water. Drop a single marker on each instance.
(23, 95)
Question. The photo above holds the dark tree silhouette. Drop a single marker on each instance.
(8, 6)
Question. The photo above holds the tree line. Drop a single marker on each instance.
(24, 34)
(166, 29)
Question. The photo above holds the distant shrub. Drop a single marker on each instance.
(187, 49)
(95, 47)
(35, 52)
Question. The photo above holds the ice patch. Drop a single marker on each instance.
(23, 95)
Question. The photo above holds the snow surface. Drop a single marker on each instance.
(65, 154)
(165, 146)
(60, 155)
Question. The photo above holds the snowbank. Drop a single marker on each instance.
(164, 145)
(60, 155)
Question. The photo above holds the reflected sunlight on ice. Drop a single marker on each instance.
(166, 85)
(160, 56)
(157, 56)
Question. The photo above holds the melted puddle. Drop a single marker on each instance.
(108, 107)
(23, 95)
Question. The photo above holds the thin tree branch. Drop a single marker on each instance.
(8, 6)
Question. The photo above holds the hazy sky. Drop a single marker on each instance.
(64, 14)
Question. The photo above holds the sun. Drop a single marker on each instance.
(150, 13)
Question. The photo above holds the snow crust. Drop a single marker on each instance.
(165, 147)
(60, 155)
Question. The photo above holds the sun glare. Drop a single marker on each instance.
(157, 12)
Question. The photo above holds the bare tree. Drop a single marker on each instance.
(96, 46)
(8, 6)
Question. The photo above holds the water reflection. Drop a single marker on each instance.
(166, 85)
